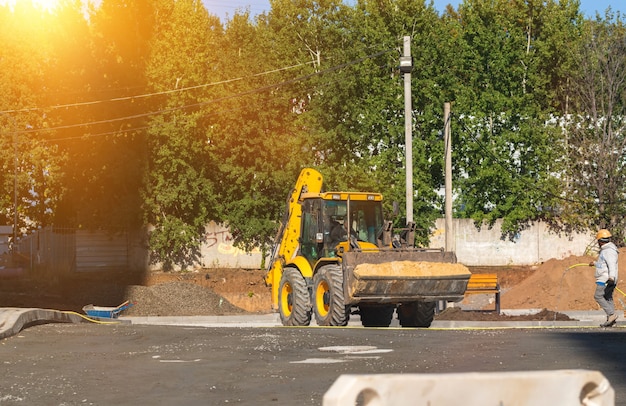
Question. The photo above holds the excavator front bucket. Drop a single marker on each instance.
(396, 276)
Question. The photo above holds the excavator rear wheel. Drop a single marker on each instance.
(328, 298)
(293, 299)
(376, 315)
(416, 314)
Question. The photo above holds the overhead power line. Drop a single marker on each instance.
(199, 104)
(327, 84)
(145, 95)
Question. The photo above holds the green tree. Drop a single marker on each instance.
(506, 154)
(595, 141)
(349, 97)
(178, 196)
(359, 117)
(259, 132)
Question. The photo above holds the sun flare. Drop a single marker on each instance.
(47, 5)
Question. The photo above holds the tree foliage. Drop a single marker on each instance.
(32, 58)
(595, 141)
(178, 196)
(158, 114)
(506, 150)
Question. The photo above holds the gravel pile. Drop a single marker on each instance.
(176, 299)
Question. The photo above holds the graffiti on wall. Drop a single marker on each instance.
(220, 239)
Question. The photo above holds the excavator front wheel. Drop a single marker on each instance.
(293, 299)
(328, 297)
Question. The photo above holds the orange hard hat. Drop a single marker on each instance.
(602, 234)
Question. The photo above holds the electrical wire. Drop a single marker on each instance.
(146, 95)
(327, 84)
(205, 103)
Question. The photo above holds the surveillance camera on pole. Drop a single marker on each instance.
(406, 63)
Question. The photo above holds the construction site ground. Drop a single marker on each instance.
(129, 364)
(140, 363)
(548, 288)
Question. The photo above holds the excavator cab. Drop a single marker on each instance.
(333, 223)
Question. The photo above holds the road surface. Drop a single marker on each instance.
(89, 364)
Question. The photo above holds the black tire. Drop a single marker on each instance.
(376, 315)
(416, 314)
(328, 297)
(294, 305)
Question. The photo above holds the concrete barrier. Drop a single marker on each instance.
(13, 320)
(537, 388)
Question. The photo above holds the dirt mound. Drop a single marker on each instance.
(454, 313)
(244, 289)
(566, 284)
(177, 299)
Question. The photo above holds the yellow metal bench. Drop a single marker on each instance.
(484, 283)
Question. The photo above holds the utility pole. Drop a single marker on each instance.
(450, 233)
(406, 66)
(14, 248)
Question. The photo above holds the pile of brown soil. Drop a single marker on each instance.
(567, 284)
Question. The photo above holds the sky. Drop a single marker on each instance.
(226, 8)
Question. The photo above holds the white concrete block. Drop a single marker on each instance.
(525, 388)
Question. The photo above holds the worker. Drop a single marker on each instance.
(606, 276)
(338, 231)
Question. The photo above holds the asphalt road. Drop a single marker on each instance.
(88, 364)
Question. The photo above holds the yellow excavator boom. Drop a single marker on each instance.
(309, 181)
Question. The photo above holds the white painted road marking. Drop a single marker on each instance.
(351, 351)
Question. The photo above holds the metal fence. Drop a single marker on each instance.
(73, 250)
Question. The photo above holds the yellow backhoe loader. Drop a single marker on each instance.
(335, 256)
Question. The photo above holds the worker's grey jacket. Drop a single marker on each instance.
(606, 265)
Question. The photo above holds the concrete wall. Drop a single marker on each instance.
(485, 247)
(218, 251)
(473, 247)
